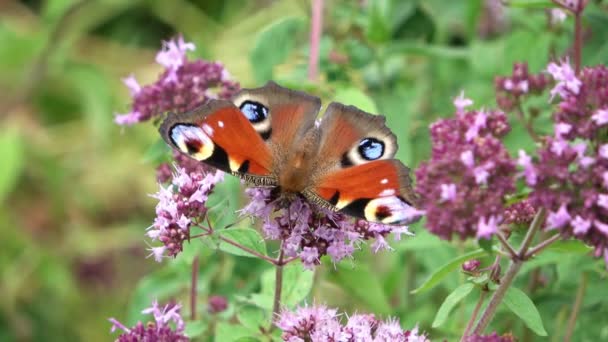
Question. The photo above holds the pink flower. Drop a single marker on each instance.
(487, 227)
(173, 53)
(467, 158)
(319, 323)
(132, 84)
(448, 191)
(567, 82)
(600, 117)
(525, 161)
(559, 218)
(562, 128)
(462, 102)
(182, 86)
(580, 225)
(159, 330)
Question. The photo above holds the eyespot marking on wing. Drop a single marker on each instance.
(255, 112)
(370, 148)
(258, 115)
(391, 210)
(192, 139)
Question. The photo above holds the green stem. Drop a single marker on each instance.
(514, 267)
(580, 294)
(278, 281)
(194, 288)
(482, 296)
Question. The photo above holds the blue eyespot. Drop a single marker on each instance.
(254, 111)
(371, 148)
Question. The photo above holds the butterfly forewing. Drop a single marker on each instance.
(220, 135)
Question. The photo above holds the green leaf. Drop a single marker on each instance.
(357, 98)
(246, 237)
(363, 284)
(195, 328)
(378, 29)
(155, 286)
(11, 152)
(410, 48)
(521, 305)
(486, 245)
(450, 302)
(570, 246)
(423, 240)
(297, 283)
(248, 339)
(157, 152)
(252, 317)
(446, 269)
(531, 3)
(225, 332)
(273, 46)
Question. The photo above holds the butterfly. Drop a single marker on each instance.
(270, 137)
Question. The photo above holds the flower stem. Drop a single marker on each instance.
(580, 294)
(209, 231)
(249, 250)
(505, 283)
(315, 39)
(482, 296)
(519, 111)
(538, 248)
(578, 41)
(538, 221)
(194, 288)
(507, 279)
(278, 284)
(506, 245)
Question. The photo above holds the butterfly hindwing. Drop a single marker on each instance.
(218, 134)
(357, 174)
(378, 191)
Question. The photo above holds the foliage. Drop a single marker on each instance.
(74, 186)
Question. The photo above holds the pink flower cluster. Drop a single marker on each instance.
(179, 205)
(493, 337)
(159, 330)
(184, 85)
(310, 232)
(509, 89)
(569, 177)
(463, 186)
(319, 323)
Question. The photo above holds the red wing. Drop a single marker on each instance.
(220, 135)
(377, 191)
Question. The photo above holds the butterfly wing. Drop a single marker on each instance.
(249, 136)
(290, 115)
(218, 134)
(356, 173)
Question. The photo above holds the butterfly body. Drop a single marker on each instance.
(270, 136)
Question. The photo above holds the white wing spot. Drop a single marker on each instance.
(208, 129)
(384, 181)
(387, 192)
(220, 123)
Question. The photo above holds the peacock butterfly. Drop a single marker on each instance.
(270, 136)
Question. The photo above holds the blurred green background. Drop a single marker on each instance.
(74, 186)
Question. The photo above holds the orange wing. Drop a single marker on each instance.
(218, 134)
(378, 191)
